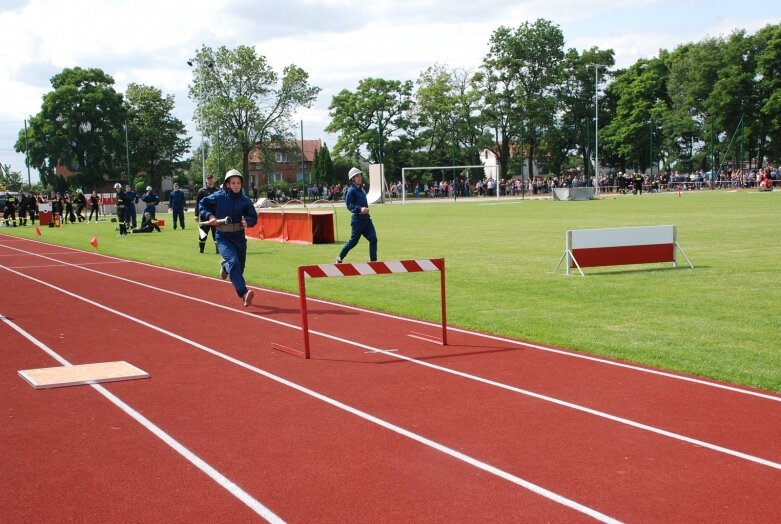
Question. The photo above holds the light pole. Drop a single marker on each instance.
(191, 63)
(596, 127)
(651, 147)
(127, 156)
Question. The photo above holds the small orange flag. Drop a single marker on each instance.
(37, 231)
(94, 242)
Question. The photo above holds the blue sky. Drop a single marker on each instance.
(338, 42)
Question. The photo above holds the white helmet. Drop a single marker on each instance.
(149, 188)
(117, 186)
(353, 171)
(232, 173)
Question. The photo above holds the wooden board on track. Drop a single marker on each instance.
(59, 376)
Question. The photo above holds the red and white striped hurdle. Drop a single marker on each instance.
(621, 246)
(360, 269)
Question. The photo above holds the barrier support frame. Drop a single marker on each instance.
(302, 275)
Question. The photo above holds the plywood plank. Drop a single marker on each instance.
(59, 376)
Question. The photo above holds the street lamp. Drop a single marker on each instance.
(651, 146)
(191, 63)
(596, 127)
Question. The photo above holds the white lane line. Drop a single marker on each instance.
(530, 486)
(529, 345)
(500, 385)
(35, 254)
(60, 264)
(194, 459)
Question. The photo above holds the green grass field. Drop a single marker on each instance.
(720, 320)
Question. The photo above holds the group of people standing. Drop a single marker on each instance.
(65, 208)
(226, 212)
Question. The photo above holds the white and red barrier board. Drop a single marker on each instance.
(372, 268)
(621, 246)
(365, 268)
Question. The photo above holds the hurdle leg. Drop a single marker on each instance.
(304, 320)
(304, 312)
(444, 307)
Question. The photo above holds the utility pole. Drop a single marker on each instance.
(27, 156)
(596, 127)
(191, 63)
(127, 154)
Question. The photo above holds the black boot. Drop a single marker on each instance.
(201, 245)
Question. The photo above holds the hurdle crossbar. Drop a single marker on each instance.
(359, 269)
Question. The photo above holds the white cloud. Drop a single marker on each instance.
(338, 42)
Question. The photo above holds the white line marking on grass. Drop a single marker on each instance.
(530, 486)
(502, 203)
(194, 459)
(539, 396)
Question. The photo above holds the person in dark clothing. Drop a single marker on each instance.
(131, 199)
(57, 208)
(24, 205)
(148, 224)
(121, 202)
(151, 200)
(203, 193)
(69, 215)
(11, 202)
(81, 203)
(360, 223)
(231, 203)
(94, 202)
(31, 208)
(638, 181)
(176, 204)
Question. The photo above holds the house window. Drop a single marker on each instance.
(274, 178)
(280, 157)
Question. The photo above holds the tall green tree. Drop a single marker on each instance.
(642, 100)
(80, 125)
(323, 166)
(694, 69)
(575, 129)
(157, 140)
(377, 113)
(734, 99)
(769, 89)
(522, 71)
(239, 93)
(10, 180)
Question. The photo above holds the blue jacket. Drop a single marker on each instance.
(176, 200)
(131, 198)
(226, 203)
(150, 199)
(355, 199)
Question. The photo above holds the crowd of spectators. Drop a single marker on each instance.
(618, 182)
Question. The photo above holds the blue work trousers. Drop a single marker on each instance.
(233, 248)
(361, 225)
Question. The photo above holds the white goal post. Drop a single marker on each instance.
(441, 168)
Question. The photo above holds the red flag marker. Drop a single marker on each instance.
(94, 242)
(37, 231)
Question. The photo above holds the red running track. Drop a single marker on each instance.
(377, 427)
